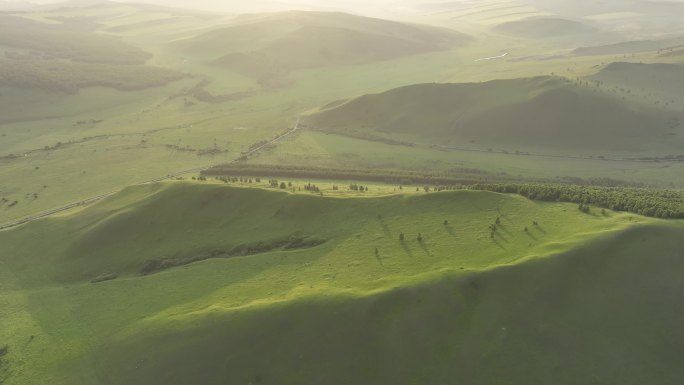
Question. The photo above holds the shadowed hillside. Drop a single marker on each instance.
(663, 46)
(64, 57)
(548, 113)
(654, 83)
(574, 317)
(544, 27)
(289, 41)
(65, 42)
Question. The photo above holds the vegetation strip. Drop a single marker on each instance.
(651, 202)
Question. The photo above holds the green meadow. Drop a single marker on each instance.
(88, 303)
(301, 273)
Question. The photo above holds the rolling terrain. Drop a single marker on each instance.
(321, 192)
(309, 292)
(551, 115)
(544, 27)
(267, 45)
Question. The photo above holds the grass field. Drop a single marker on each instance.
(536, 114)
(316, 301)
(235, 110)
(193, 281)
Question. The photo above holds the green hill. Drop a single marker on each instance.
(62, 41)
(571, 298)
(574, 318)
(536, 113)
(544, 27)
(660, 82)
(283, 42)
(629, 47)
(64, 57)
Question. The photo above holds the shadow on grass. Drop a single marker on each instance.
(501, 236)
(504, 228)
(407, 250)
(424, 247)
(385, 228)
(379, 258)
(450, 230)
(541, 229)
(529, 234)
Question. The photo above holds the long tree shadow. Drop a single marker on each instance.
(450, 230)
(529, 234)
(379, 258)
(407, 250)
(424, 247)
(496, 242)
(504, 228)
(541, 229)
(385, 228)
(501, 236)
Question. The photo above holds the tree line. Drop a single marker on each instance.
(643, 201)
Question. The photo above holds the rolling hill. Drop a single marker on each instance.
(630, 47)
(544, 27)
(284, 42)
(64, 57)
(546, 113)
(663, 82)
(65, 42)
(571, 298)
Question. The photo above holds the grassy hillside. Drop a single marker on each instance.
(576, 317)
(544, 27)
(61, 40)
(284, 42)
(537, 113)
(337, 311)
(66, 56)
(656, 84)
(631, 47)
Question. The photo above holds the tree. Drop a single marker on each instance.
(283, 185)
(446, 222)
(401, 237)
(420, 237)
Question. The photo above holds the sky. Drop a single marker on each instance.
(358, 6)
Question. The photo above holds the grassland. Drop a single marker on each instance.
(538, 114)
(204, 282)
(241, 110)
(543, 27)
(329, 313)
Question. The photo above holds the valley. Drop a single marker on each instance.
(384, 192)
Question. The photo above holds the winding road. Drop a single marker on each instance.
(96, 198)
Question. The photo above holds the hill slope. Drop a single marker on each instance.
(572, 298)
(664, 83)
(543, 27)
(294, 40)
(63, 57)
(576, 317)
(536, 113)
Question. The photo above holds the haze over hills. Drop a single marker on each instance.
(64, 57)
(544, 27)
(332, 192)
(175, 285)
(543, 113)
(284, 42)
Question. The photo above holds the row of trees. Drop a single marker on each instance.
(643, 201)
